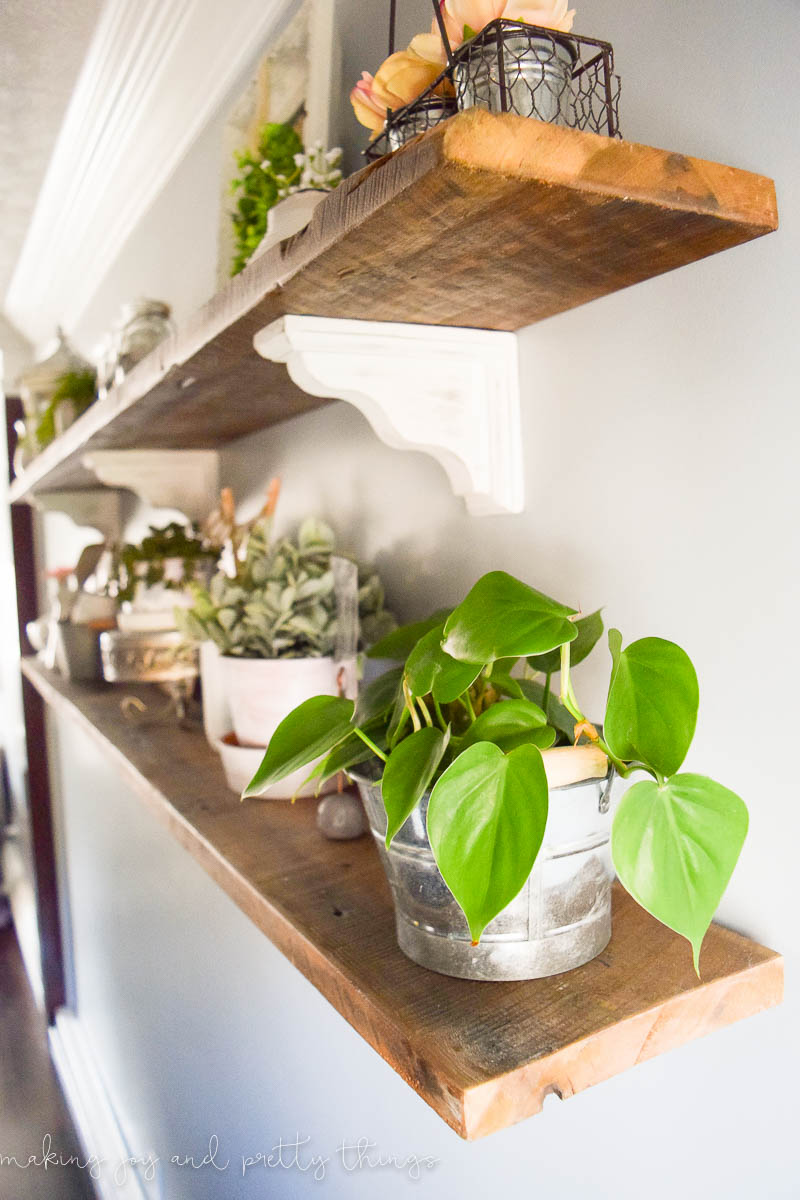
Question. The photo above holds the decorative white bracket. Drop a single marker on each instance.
(88, 508)
(452, 393)
(187, 480)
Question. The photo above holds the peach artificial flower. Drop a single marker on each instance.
(466, 15)
(552, 14)
(402, 77)
(476, 14)
(369, 110)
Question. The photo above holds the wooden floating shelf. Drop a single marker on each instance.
(482, 1055)
(487, 221)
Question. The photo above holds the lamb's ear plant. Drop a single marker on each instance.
(455, 720)
(277, 597)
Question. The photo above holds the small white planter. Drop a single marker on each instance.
(240, 764)
(262, 691)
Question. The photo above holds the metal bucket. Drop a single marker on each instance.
(560, 920)
(421, 117)
(535, 81)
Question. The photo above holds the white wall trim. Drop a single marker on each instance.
(96, 1123)
(452, 393)
(156, 73)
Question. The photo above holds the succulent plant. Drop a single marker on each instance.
(281, 601)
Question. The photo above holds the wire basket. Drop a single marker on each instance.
(512, 67)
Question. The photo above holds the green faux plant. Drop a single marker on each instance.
(454, 719)
(145, 562)
(264, 178)
(279, 167)
(77, 387)
(279, 601)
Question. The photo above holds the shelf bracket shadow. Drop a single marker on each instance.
(452, 393)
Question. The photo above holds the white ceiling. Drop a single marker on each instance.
(42, 47)
(153, 75)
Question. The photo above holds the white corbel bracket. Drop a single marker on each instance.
(452, 393)
(186, 480)
(88, 508)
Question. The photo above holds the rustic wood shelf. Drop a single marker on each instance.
(484, 1056)
(487, 221)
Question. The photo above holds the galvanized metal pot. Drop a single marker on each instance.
(422, 116)
(560, 920)
(530, 76)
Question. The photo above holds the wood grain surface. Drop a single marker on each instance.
(491, 221)
(482, 1055)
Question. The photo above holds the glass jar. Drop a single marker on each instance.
(145, 324)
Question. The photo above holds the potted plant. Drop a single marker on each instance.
(75, 392)
(501, 55)
(271, 611)
(278, 186)
(513, 56)
(500, 789)
(153, 576)
(397, 83)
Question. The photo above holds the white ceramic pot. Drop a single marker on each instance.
(288, 217)
(240, 764)
(216, 710)
(262, 691)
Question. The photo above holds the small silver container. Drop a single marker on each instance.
(421, 117)
(77, 652)
(536, 77)
(560, 920)
(147, 657)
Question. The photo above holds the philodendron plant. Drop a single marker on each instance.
(454, 719)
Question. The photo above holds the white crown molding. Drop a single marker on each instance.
(186, 480)
(156, 72)
(452, 393)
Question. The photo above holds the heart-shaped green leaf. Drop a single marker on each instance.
(408, 773)
(590, 630)
(507, 724)
(675, 847)
(378, 696)
(652, 704)
(429, 669)
(311, 729)
(401, 641)
(486, 820)
(502, 617)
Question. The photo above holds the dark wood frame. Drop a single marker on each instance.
(40, 800)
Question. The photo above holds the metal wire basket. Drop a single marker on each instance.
(509, 66)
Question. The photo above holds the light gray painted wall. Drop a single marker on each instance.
(660, 430)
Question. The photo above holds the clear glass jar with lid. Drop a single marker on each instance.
(145, 324)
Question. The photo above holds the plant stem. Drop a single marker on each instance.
(369, 742)
(567, 694)
(467, 702)
(439, 713)
(410, 706)
(548, 680)
(424, 710)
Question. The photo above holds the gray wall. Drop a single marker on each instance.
(660, 434)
